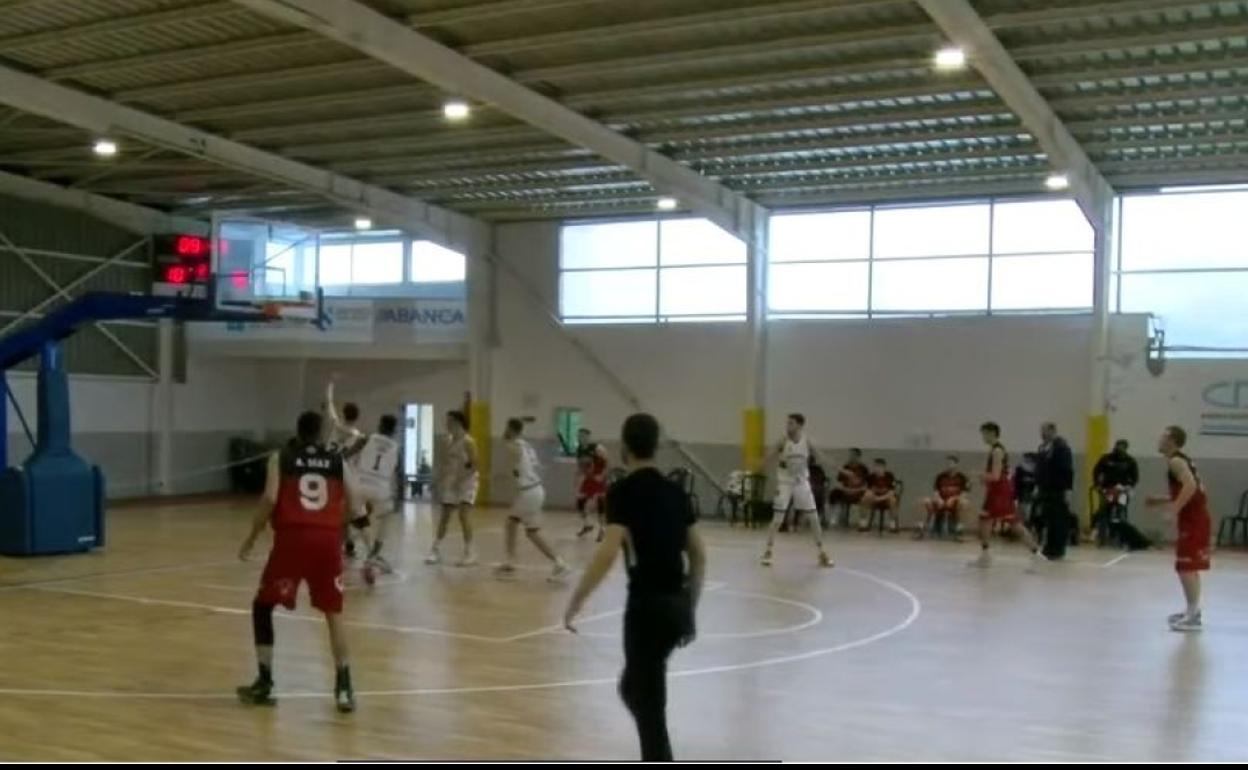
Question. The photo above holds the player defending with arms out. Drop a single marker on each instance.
(526, 507)
(795, 452)
(999, 499)
(1190, 504)
(344, 437)
(457, 487)
(591, 482)
(305, 502)
(375, 459)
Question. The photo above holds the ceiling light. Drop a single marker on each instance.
(456, 109)
(951, 58)
(1057, 182)
(363, 223)
(105, 148)
(667, 204)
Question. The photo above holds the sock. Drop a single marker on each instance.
(266, 674)
(342, 680)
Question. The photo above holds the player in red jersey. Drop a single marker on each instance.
(591, 482)
(999, 499)
(1190, 504)
(305, 502)
(949, 501)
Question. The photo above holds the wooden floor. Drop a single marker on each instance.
(900, 653)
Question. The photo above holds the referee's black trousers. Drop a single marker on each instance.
(653, 627)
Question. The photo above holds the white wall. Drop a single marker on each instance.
(886, 383)
(912, 389)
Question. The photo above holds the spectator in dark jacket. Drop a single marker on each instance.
(1055, 477)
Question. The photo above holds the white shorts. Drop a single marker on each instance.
(462, 493)
(374, 502)
(796, 490)
(527, 507)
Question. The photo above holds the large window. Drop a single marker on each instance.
(1183, 256)
(351, 261)
(361, 262)
(431, 263)
(651, 271)
(972, 257)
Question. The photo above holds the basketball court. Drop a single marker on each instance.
(901, 651)
(922, 253)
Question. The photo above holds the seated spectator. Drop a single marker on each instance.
(1114, 476)
(947, 505)
(851, 481)
(880, 495)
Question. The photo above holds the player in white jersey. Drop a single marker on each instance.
(793, 486)
(457, 486)
(526, 506)
(376, 459)
(344, 438)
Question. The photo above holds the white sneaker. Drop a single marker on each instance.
(766, 560)
(560, 570)
(983, 561)
(434, 557)
(825, 560)
(1188, 624)
(1038, 562)
(1175, 618)
(468, 560)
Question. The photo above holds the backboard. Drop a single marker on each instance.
(266, 267)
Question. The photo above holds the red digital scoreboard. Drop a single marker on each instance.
(183, 265)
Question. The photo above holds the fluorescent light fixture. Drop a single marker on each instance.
(363, 223)
(950, 58)
(1057, 182)
(667, 204)
(105, 148)
(456, 109)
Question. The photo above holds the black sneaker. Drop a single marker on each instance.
(258, 693)
(344, 695)
(344, 699)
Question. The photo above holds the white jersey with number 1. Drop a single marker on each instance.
(375, 465)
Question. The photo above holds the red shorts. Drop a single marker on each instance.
(1191, 550)
(312, 555)
(999, 504)
(592, 488)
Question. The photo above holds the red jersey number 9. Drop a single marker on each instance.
(313, 492)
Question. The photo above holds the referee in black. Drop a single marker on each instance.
(1055, 477)
(650, 518)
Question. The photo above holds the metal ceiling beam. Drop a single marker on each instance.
(921, 35)
(114, 26)
(697, 21)
(137, 219)
(380, 37)
(966, 29)
(106, 118)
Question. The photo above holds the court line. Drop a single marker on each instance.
(916, 609)
(557, 627)
(403, 577)
(287, 616)
(117, 573)
(1116, 559)
(816, 617)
